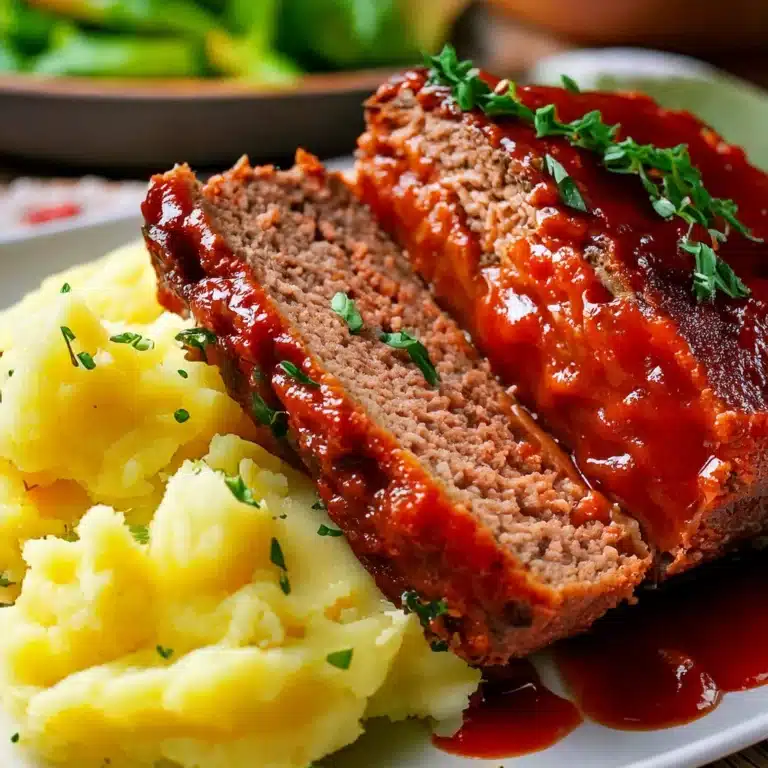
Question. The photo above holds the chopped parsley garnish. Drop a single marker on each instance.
(340, 659)
(136, 340)
(712, 273)
(87, 360)
(318, 504)
(439, 646)
(570, 84)
(166, 653)
(15, 738)
(140, 533)
(83, 358)
(69, 534)
(324, 530)
(277, 421)
(674, 185)
(183, 373)
(296, 373)
(347, 310)
(427, 612)
(569, 192)
(4, 581)
(276, 556)
(66, 288)
(241, 491)
(181, 415)
(69, 337)
(417, 352)
(197, 338)
(10, 373)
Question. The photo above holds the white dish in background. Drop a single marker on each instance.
(741, 720)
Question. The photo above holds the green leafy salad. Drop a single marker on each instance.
(270, 42)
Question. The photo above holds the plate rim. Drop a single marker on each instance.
(700, 751)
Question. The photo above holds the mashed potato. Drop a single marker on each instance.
(179, 594)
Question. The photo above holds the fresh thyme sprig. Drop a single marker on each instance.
(673, 183)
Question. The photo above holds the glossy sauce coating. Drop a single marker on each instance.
(636, 380)
(399, 522)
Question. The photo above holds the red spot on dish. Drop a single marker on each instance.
(46, 213)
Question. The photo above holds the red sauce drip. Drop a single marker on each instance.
(606, 373)
(512, 714)
(670, 659)
(665, 662)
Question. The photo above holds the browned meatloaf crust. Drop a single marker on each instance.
(591, 316)
(449, 490)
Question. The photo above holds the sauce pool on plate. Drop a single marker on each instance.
(665, 662)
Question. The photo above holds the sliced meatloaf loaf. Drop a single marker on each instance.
(444, 488)
(661, 398)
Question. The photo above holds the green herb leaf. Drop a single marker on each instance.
(318, 504)
(136, 340)
(241, 491)
(181, 415)
(439, 646)
(276, 556)
(471, 91)
(4, 582)
(140, 533)
(166, 653)
(569, 192)
(340, 659)
(570, 84)
(347, 310)
(88, 362)
(69, 337)
(426, 611)
(66, 288)
(296, 373)
(417, 352)
(324, 530)
(674, 185)
(277, 421)
(665, 208)
(15, 738)
(712, 273)
(197, 338)
(183, 373)
(69, 534)
(284, 582)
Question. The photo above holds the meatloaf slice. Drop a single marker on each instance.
(663, 400)
(445, 491)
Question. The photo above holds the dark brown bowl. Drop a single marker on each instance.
(117, 125)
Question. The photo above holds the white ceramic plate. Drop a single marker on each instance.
(741, 720)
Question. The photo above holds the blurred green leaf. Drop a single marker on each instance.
(244, 57)
(345, 33)
(250, 53)
(25, 30)
(351, 33)
(79, 53)
(10, 61)
(159, 16)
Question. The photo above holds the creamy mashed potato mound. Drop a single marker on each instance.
(170, 598)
